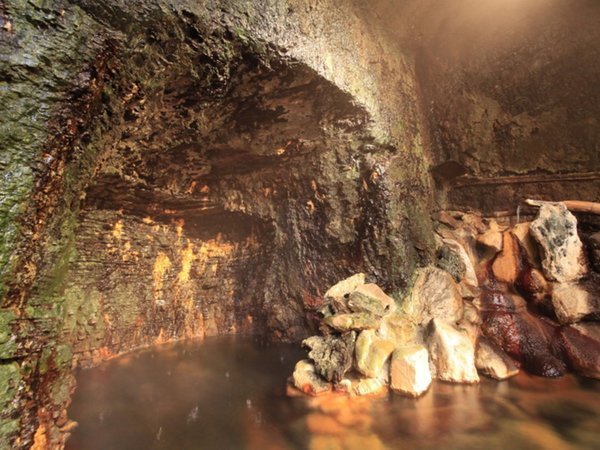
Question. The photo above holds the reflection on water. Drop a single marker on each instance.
(227, 393)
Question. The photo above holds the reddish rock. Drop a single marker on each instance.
(521, 335)
(580, 352)
(509, 262)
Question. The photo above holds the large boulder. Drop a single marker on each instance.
(576, 301)
(452, 353)
(352, 321)
(372, 353)
(370, 298)
(434, 295)
(493, 362)
(555, 229)
(307, 380)
(332, 355)
(409, 371)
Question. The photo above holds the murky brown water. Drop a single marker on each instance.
(227, 393)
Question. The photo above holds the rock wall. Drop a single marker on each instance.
(171, 170)
(510, 92)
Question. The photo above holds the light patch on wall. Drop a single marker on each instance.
(187, 257)
(161, 265)
(118, 230)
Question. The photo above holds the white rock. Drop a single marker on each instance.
(306, 379)
(573, 301)
(555, 229)
(493, 362)
(452, 353)
(434, 295)
(409, 371)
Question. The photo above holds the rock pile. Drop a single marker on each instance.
(499, 299)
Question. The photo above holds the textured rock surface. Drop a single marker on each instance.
(175, 170)
(508, 263)
(352, 321)
(372, 354)
(370, 298)
(338, 294)
(434, 295)
(409, 371)
(469, 276)
(452, 353)
(332, 355)
(576, 301)
(524, 337)
(493, 362)
(306, 379)
(555, 229)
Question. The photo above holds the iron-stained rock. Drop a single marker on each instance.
(409, 371)
(434, 295)
(555, 229)
(492, 238)
(508, 265)
(580, 352)
(452, 353)
(370, 298)
(332, 355)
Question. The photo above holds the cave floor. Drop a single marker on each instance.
(229, 393)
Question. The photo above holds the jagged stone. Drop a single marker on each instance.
(493, 362)
(434, 295)
(468, 291)
(409, 372)
(507, 264)
(332, 355)
(452, 353)
(352, 321)
(533, 285)
(370, 298)
(492, 238)
(372, 353)
(469, 276)
(576, 301)
(555, 229)
(337, 295)
(450, 261)
(307, 380)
